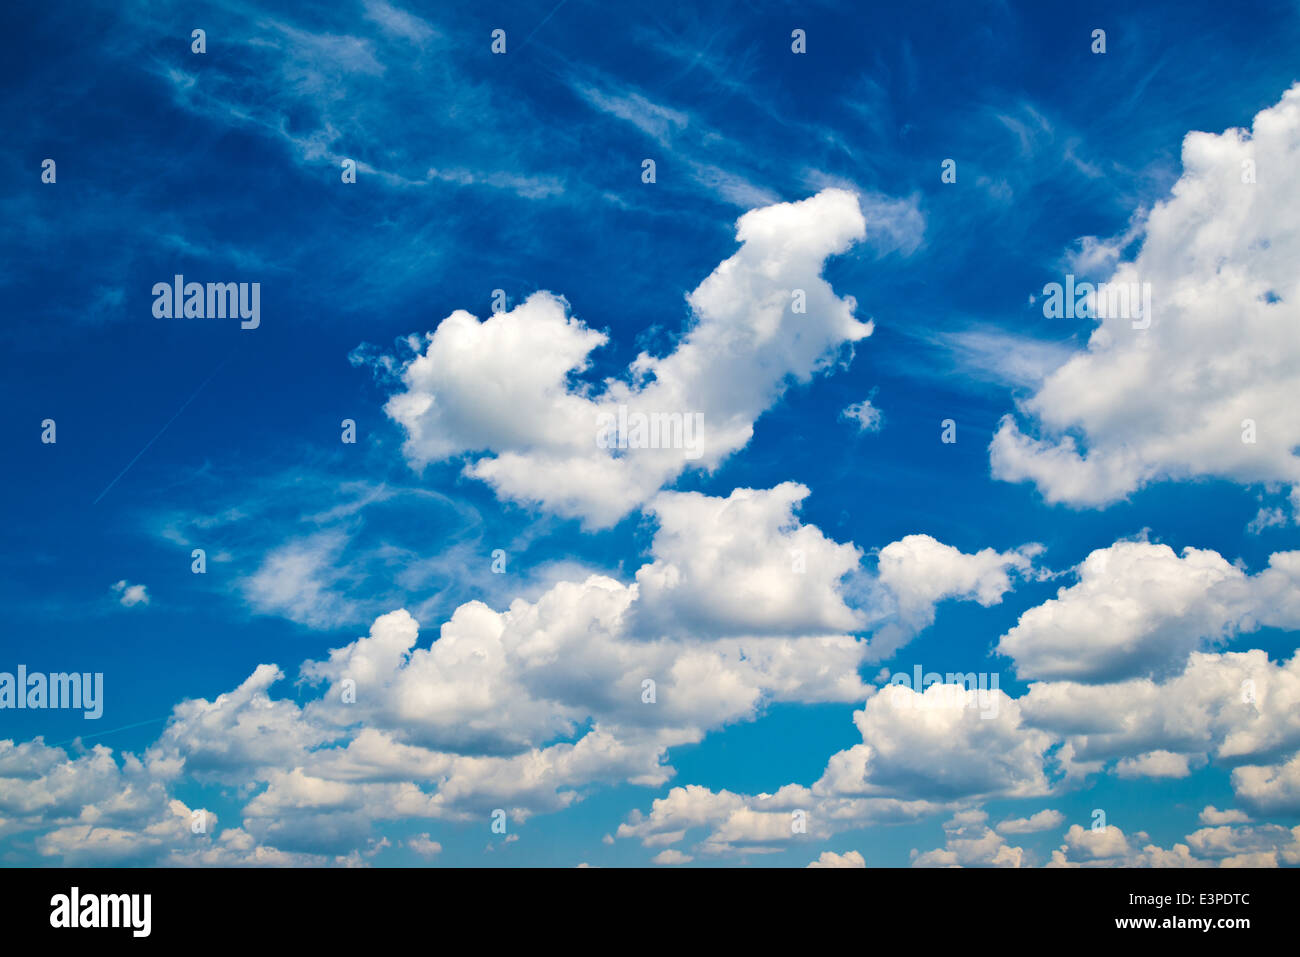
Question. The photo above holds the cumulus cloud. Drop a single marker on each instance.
(1172, 401)
(1214, 817)
(94, 809)
(1158, 764)
(918, 572)
(916, 760)
(423, 845)
(1265, 845)
(493, 712)
(1141, 609)
(847, 859)
(43, 783)
(671, 857)
(505, 386)
(740, 606)
(728, 824)
(242, 733)
(1122, 681)
(970, 842)
(945, 743)
(1042, 821)
(743, 565)
(501, 683)
(1252, 846)
(1097, 843)
(1236, 708)
(920, 756)
(1269, 788)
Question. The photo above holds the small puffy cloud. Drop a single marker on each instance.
(1269, 788)
(1097, 843)
(970, 842)
(919, 572)
(1158, 764)
(847, 859)
(131, 595)
(671, 857)
(1208, 389)
(867, 416)
(1042, 821)
(1214, 817)
(422, 845)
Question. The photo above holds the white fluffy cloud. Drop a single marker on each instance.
(504, 682)
(92, 809)
(847, 859)
(671, 857)
(919, 572)
(1270, 788)
(1235, 708)
(1212, 816)
(1091, 845)
(729, 824)
(970, 842)
(921, 755)
(423, 846)
(1170, 401)
(494, 712)
(504, 385)
(130, 595)
(1042, 821)
(942, 744)
(239, 734)
(926, 752)
(743, 565)
(1140, 609)
(1252, 846)
(740, 606)
(1158, 764)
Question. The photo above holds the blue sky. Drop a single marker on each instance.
(1046, 545)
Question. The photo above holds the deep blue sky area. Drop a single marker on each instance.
(522, 172)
